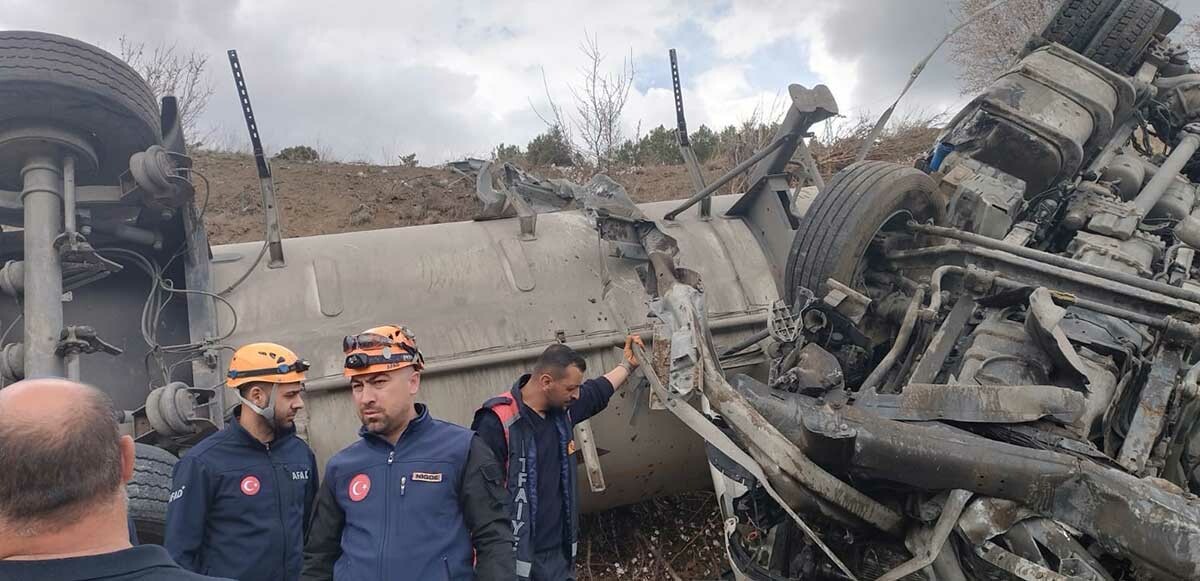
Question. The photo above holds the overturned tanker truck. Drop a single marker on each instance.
(982, 367)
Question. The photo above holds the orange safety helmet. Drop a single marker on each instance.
(265, 362)
(381, 349)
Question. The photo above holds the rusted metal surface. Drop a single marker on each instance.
(1159, 529)
(988, 517)
(929, 549)
(1019, 567)
(1001, 404)
(943, 341)
(1148, 421)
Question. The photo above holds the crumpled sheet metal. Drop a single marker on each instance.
(685, 373)
(1042, 324)
(987, 517)
(603, 196)
(1127, 515)
(494, 187)
(1001, 404)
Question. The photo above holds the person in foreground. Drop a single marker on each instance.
(63, 513)
(415, 498)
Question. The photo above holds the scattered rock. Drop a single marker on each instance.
(363, 214)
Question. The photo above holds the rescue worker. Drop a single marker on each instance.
(530, 428)
(241, 498)
(415, 498)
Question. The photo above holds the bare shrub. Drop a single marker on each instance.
(987, 47)
(170, 71)
(594, 127)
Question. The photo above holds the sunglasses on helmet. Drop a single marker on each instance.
(370, 342)
(299, 366)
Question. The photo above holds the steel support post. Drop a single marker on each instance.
(41, 197)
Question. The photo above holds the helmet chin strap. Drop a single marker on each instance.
(267, 413)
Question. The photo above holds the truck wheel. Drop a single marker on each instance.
(51, 79)
(1077, 21)
(1120, 42)
(862, 200)
(149, 492)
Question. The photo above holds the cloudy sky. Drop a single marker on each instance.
(450, 78)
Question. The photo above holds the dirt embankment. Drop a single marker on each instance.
(324, 198)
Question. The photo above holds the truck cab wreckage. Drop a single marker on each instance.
(982, 367)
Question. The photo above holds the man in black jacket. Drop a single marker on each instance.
(63, 512)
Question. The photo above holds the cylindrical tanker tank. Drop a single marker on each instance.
(483, 303)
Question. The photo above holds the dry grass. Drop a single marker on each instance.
(905, 140)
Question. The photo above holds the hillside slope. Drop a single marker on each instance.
(324, 198)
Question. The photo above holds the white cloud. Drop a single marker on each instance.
(445, 78)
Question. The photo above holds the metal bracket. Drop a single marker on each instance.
(526, 216)
(685, 145)
(591, 456)
(1149, 419)
(77, 340)
(266, 183)
(84, 339)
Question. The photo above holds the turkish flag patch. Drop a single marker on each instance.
(427, 476)
(250, 485)
(360, 486)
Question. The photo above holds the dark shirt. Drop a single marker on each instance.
(593, 398)
(548, 528)
(140, 563)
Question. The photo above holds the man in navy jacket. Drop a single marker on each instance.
(241, 498)
(529, 428)
(415, 498)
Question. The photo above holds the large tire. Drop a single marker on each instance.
(838, 226)
(46, 78)
(1077, 21)
(1120, 42)
(149, 492)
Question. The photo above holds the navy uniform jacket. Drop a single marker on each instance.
(239, 508)
(430, 508)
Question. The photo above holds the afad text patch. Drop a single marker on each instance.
(427, 476)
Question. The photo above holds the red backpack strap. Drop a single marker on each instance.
(506, 409)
